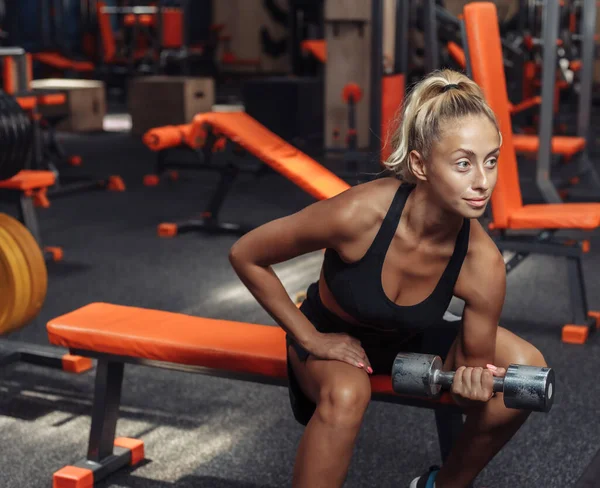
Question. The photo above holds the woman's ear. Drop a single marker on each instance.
(417, 165)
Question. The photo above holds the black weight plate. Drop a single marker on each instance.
(4, 138)
(10, 138)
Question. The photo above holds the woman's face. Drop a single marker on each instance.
(462, 168)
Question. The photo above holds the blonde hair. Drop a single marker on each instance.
(430, 103)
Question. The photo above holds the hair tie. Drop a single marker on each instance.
(449, 86)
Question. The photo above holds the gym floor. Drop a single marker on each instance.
(211, 432)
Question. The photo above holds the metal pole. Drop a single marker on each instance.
(376, 75)
(588, 20)
(550, 35)
(401, 37)
(431, 43)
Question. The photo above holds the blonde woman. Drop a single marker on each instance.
(397, 250)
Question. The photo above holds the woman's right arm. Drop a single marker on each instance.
(324, 224)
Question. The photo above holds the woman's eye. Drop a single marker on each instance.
(463, 164)
(492, 162)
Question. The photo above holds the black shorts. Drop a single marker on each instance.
(381, 347)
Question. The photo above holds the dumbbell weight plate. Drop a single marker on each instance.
(412, 374)
(36, 264)
(18, 278)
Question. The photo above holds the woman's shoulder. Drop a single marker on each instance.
(366, 204)
(482, 253)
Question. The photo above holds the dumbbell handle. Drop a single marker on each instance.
(446, 378)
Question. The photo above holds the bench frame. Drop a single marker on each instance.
(226, 164)
(106, 454)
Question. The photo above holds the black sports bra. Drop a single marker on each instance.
(358, 289)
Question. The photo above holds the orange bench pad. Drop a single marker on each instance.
(563, 145)
(29, 179)
(183, 339)
(556, 216)
(298, 167)
(168, 136)
(52, 99)
(316, 47)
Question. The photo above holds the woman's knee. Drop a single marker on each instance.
(344, 399)
(515, 350)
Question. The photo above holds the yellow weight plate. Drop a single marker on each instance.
(36, 263)
(7, 289)
(20, 278)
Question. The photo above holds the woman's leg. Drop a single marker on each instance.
(489, 428)
(341, 393)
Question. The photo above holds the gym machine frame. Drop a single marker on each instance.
(546, 243)
(585, 168)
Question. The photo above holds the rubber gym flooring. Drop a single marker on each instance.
(211, 432)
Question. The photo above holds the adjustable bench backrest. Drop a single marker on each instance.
(485, 58)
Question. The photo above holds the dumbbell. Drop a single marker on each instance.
(524, 387)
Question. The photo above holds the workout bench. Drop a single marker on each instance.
(117, 335)
(235, 133)
(512, 221)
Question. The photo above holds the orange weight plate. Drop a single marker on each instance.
(18, 277)
(34, 257)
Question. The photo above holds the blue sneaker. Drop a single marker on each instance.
(426, 480)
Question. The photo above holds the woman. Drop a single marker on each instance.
(397, 250)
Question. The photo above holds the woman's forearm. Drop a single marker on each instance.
(266, 287)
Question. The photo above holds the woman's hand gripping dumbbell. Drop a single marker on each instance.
(524, 387)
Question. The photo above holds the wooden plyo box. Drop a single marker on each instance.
(155, 101)
(85, 106)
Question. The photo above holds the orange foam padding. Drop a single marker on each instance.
(151, 180)
(457, 53)
(40, 198)
(76, 364)
(9, 72)
(584, 216)
(172, 28)
(168, 136)
(57, 253)
(75, 161)
(255, 138)
(316, 47)
(58, 61)
(352, 90)
(52, 99)
(575, 334)
(392, 98)
(115, 183)
(483, 36)
(107, 36)
(146, 20)
(27, 103)
(29, 179)
(183, 339)
(134, 445)
(485, 48)
(167, 230)
(73, 477)
(563, 145)
(525, 104)
(596, 317)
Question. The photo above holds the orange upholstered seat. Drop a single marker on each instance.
(29, 180)
(284, 158)
(508, 211)
(563, 145)
(182, 339)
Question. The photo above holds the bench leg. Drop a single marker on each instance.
(105, 453)
(584, 321)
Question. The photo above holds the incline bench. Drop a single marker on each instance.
(117, 335)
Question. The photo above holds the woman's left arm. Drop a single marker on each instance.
(482, 285)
